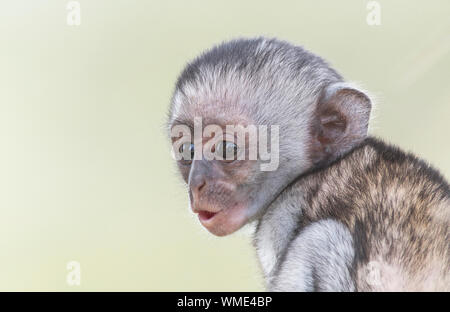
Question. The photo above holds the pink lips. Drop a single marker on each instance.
(204, 215)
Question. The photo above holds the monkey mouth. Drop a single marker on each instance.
(223, 222)
(204, 215)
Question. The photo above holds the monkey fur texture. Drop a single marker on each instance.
(343, 211)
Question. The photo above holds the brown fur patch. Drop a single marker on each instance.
(397, 209)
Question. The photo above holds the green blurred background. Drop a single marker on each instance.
(85, 168)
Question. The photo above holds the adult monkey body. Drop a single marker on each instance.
(343, 211)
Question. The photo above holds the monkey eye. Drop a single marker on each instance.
(187, 152)
(227, 151)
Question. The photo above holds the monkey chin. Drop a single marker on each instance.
(225, 221)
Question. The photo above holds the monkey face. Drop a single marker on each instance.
(303, 104)
(217, 170)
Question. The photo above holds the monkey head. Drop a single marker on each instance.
(249, 116)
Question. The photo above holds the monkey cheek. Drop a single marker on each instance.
(226, 221)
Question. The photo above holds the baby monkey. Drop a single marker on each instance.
(264, 131)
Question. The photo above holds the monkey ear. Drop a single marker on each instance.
(340, 122)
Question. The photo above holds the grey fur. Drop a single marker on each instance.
(353, 214)
(376, 205)
(269, 81)
(319, 258)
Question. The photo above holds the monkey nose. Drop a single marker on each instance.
(197, 184)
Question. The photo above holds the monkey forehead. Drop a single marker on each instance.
(210, 110)
(213, 93)
(226, 123)
(261, 78)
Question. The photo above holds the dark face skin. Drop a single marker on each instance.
(219, 189)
